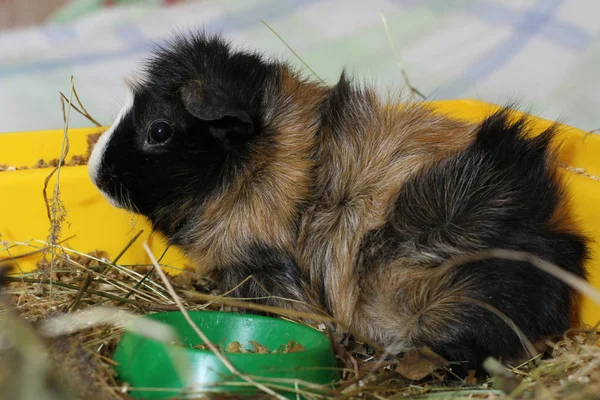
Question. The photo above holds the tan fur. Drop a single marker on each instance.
(358, 170)
(347, 175)
(358, 176)
(261, 204)
(422, 304)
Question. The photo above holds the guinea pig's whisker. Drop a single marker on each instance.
(126, 197)
(120, 196)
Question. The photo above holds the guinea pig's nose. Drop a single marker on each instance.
(102, 180)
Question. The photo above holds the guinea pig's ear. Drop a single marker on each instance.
(227, 121)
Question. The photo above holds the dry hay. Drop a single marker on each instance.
(80, 365)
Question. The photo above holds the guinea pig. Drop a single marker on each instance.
(329, 197)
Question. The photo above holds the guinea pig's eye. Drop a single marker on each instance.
(159, 132)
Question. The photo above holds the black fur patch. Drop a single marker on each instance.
(274, 273)
(499, 193)
(242, 75)
(160, 181)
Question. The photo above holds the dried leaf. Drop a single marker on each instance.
(470, 379)
(503, 379)
(418, 364)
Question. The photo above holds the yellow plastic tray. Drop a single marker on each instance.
(93, 223)
(98, 226)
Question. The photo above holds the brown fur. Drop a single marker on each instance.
(422, 303)
(361, 163)
(261, 205)
(357, 165)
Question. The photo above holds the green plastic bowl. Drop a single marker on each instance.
(156, 370)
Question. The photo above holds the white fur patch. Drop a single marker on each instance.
(97, 156)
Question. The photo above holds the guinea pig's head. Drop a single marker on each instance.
(184, 128)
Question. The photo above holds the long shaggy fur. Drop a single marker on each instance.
(330, 196)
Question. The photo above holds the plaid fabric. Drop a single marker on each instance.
(545, 53)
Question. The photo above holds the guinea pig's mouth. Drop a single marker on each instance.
(118, 197)
(111, 189)
(116, 202)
